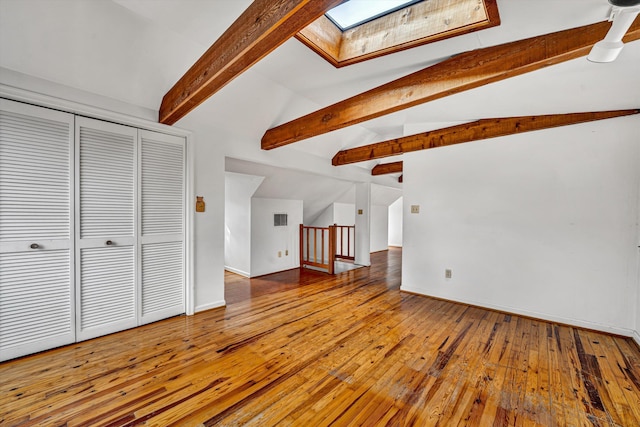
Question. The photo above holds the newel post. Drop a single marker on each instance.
(301, 246)
(332, 248)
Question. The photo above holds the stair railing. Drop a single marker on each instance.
(345, 234)
(321, 246)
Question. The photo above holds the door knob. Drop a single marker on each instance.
(34, 246)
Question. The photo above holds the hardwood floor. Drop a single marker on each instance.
(310, 350)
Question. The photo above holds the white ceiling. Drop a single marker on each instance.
(135, 50)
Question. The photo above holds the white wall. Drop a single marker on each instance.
(209, 225)
(76, 45)
(337, 213)
(363, 224)
(237, 221)
(344, 214)
(379, 228)
(325, 219)
(543, 224)
(267, 240)
(636, 335)
(395, 223)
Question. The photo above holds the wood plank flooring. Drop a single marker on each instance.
(307, 349)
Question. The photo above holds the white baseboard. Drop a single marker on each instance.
(542, 316)
(211, 305)
(235, 270)
(267, 272)
(636, 337)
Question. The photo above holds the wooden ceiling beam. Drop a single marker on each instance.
(457, 74)
(387, 168)
(474, 131)
(264, 26)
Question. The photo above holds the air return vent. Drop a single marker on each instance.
(280, 220)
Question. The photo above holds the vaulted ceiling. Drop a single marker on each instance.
(135, 50)
(461, 72)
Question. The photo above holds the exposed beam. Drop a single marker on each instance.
(387, 168)
(264, 26)
(474, 131)
(457, 74)
(400, 179)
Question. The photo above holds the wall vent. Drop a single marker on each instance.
(280, 220)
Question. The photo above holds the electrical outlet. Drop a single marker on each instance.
(415, 209)
(447, 274)
(279, 254)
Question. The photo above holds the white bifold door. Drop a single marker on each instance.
(130, 257)
(92, 228)
(105, 227)
(36, 229)
(162, 226)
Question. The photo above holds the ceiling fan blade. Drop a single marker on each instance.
(608, 49)
(625, 3)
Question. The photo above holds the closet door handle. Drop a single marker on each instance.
(109, 242)
(34, 246)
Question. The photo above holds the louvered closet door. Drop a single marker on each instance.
(162, 188)
(106, 236)
(36, 242)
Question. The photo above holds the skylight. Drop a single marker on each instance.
(356, 12)
(359, 30)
